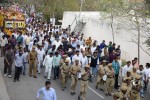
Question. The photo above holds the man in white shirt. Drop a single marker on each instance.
(4, 41)
(93, 48)
(40, 55)
(84, 60)
(48, 63)
(57, 43)
(18, 65)
(27, 41)
(126, 68)
(76, 56)
(48, 92)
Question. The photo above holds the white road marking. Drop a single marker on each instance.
(96, 92)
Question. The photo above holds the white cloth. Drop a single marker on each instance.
(93, 49)
(142, 73)
(84, 61)
(4, 41)
(18, 60)
(77, 57)
(40, 54)
(125, 69)
(57, 44)
(48, 65)
(47, 94)
(25, 57)
(1, 34)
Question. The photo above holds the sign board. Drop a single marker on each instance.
(15, 24)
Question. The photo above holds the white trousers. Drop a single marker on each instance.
(39, 65)
(48, 70)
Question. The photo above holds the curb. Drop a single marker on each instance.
(3, 90)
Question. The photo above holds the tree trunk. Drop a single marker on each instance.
(112, 29)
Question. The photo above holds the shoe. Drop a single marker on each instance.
(71, 93)
(48, 79)
(54, 78)
(35, 76)
(96, 87)
(106, 94)
(63, 89)
(9, 76)
(101, 89)
(142, 95)
(109, 94)
(79, 97)
(5, 75)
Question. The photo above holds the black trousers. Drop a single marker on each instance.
(56, 72)
(116, 80)
(7, 68)
(17, 72)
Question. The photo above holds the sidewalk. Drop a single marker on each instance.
(3, 90)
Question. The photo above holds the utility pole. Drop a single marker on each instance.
(81, 5)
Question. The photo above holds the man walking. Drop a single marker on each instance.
(64, 73)
(56, 65)
(48, 92)
(116, 67)
(8, 61)
(32, 62)
(18, 65)
(48, 63)
(84, 83)
(74, 72)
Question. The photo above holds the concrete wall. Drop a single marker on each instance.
(101, 30)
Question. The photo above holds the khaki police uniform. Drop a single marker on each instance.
(110, 79)
(116, 96)
(64, 73)
(101, 73)
(74, 72)
(84, 83)
(32, 63)
(136, 87)
(123, 95)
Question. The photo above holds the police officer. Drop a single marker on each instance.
(64, 73)
(32, 62)
(74, 70)
(101, 73)
(62, 61)
(123, 92)
(84, 82)
(136, 87)
(110, 80)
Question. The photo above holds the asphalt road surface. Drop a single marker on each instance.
(27, 88)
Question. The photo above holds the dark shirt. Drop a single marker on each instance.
(112, 57)
(102, 45)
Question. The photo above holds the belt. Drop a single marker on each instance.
(32, 59)
(134, 92)
(84, 80)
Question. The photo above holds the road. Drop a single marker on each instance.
(27, 88)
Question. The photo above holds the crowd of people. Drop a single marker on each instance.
(70, 55)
